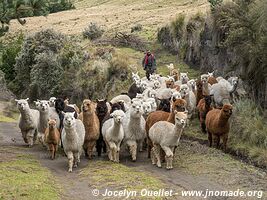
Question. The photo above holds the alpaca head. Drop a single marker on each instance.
(234, 80)
(88, 106)
(147, 107)
(135, 76)
(153, 103)
(59, 104)
(174, 72)
(101, 107)
(117, 106)
(136, 109)
(192, 84)
(164, 105)
(199, 85)
(208, 100)
(138, 83)
(118, 116)
(184, 77)
(69, 119)
(52, 123)
(151, 93)
(22, 104)
(179, 105)
(37, 104)
(144, 85)
(184, 90)
(180, 118)
(52, 101)
(170, 66)
(227, 110)
(44, 106)
(139, 96)
(176, 95)
(169, 84)
(204, 78)
(210, 74)
(156, 84)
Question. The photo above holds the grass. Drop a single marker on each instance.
(221, 168)
(23, 178)
(105, 174)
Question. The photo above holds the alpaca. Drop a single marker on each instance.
(178, 105)
(134, 128)
(203, 107)
(133, 90)
(199, 91)
(52, 101)
(184, 78)
(101, 112)
(218, 125)
(164, 105)
(46, 112)
(28, 121)
(92, 126)
(113, 134)
(72, 138)
(122, 98)
(52, 137)
(190, 98)
(170, 67)
(212, 80)
(175, 74)
(165, 135)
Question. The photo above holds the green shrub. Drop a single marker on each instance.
(60, 5)
(10, 50)
(93, 31)
(177, 27)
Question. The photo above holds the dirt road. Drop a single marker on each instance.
(232, 173)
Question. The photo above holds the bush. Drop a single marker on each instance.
(11, 48)
(60, 5)
(177, 27)
(46, 64)
(137, 27)
(93, 31)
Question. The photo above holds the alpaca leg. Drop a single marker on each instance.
(133, 148)
(113, 149)
(118, 152)
(51, 148)
(149, 147)
(76, 158)
(29, 136)
(24, 136)
(203, 127)
(90, 147)
(217, 141)
(157, 154)
(225, 139)
(141, 145)
(35, 136)
(55, 150)
(153, 157)
(99, 143)
(104, 147)
(168, 157)
(70, 159)
(210, 139)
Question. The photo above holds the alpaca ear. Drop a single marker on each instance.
(27, 99)
(73, 113)
(110, 104)
(105, 100)
(175, 111)
(97, 100)
(16, 100)
(63, 113)
(111, 115)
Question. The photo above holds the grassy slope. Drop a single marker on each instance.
(22, 177)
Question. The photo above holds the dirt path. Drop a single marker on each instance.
(76, 188)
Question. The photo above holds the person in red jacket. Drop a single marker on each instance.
(149, 63)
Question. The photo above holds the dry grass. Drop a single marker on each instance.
(113, 14)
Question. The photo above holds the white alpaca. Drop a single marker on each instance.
(134, 128)
(28, 121)
(113, 134)
(184, 77)
(190, 98)
(72, 138)
(165, 135)
(52, 101)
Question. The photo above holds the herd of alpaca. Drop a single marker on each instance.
(152, 115)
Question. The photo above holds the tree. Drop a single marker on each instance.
(16, 9)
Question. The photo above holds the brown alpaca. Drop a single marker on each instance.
(218, 125)
(52, 137)
(170, 84)
(212, 80)
(92, 126)
(199, 90)
(156, 116)
(175, 74)
(203, 107)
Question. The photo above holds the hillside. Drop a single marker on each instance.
(113, 14)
